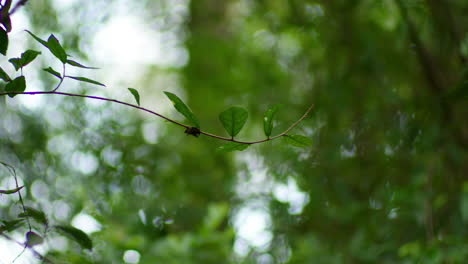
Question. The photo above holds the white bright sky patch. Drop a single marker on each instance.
(128, 40)
(86, 223)
(290, 193)
(251, 224)
(131, 256)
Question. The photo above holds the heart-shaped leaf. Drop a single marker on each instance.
(11, 191)
(83, 79)
(76, 234)
(268, 119)
(26, 58)
(54, 46)
(16, 85)
(135, 94)
(53, 72)
(182, 108)
(33, 239)
(298, 140)
(3, 41)
(233, 119)
(233, 146)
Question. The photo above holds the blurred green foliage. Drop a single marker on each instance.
(385, 180)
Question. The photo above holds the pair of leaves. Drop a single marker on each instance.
(53, 45)
(26, 58)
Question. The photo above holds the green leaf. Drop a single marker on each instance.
(232, 146)
(3, 41)
(28, 56)
(298, 140)
(16, 85)
(43, 42)
(268, 119)
(56, 49)
(76, 234)
(182, 108)
(53, 72)
(76, 64)
(83, 79)
(33, 239)
(35, 214)
(6, 21)
(16, 63)
(11, 225)
(4, 76)
(11, 191)
(135, 94)
(233, 119)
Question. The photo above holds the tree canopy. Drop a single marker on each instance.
(315, 131)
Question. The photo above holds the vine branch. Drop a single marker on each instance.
(160, 115)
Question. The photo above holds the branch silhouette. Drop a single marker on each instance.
(54, 92)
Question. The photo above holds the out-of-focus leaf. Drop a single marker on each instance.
(3, 41)
(76, 234)
(56, 49)
(232, 146)
(4, 76)
(16, 85)
(233, 119)
(135, 94)
(84, 79)
(43, 42)
(9, 226)
(298, 140)
(76, 64)
(53, 72)
(182, 108)
(33, 239)
(11, 191)
(268, 119)
(35, 214)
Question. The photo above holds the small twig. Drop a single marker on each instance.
(13, 172)
(61, 79)
(161, 116)
(20, 3)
